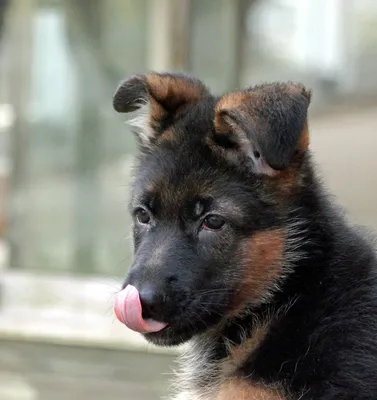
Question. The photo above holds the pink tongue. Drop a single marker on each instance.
(128, 310)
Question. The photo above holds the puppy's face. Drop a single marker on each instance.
(209, 200)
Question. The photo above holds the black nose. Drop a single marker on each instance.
(152, 303)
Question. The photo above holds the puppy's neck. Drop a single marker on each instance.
(215, 356)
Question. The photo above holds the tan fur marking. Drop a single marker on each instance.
(285, 181)
(304, 140)
(240, 353)
(232, 100)
(228, 102)
(173, 91)
(170, 135)
(157, 112)
(240, 389)
(163, 87)
(263, 258)
(289, 180)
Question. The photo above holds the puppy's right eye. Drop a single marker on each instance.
(142, 216)
(213, 223)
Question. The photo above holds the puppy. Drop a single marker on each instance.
(239, 251)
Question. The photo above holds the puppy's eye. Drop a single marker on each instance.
(213, 223)
(142, 216)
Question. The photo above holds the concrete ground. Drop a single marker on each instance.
(30, 371)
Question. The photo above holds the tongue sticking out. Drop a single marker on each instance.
(128, 310)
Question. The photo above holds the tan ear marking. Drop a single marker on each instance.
(158, 95)
(269, 122)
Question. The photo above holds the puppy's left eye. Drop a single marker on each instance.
(213, 223)
(142, 216)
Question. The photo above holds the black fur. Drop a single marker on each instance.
(322, 341)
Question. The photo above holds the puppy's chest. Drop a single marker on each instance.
(220, 380)
(240, 389)
(234, 388)
(231, 387)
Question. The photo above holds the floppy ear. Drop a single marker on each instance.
(267, 124)
(159, 96)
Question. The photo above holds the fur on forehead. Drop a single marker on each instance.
(174, 176)
(264, 127)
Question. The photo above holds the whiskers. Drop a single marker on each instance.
(211, 291)
(211, 301)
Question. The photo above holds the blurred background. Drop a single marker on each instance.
(65, 159)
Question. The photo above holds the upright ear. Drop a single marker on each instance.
(267, 124)
(159, 97)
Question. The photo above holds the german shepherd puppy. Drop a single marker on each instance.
(239, 251)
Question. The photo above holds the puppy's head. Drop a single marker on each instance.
(212, 191)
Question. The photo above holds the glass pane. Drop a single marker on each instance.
(329, 45)
(71, 154)
(213, 42)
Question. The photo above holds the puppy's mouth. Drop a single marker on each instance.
(128, 310)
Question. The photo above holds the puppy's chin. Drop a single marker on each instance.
(174, 336)
(179, 333)
(170, 337)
